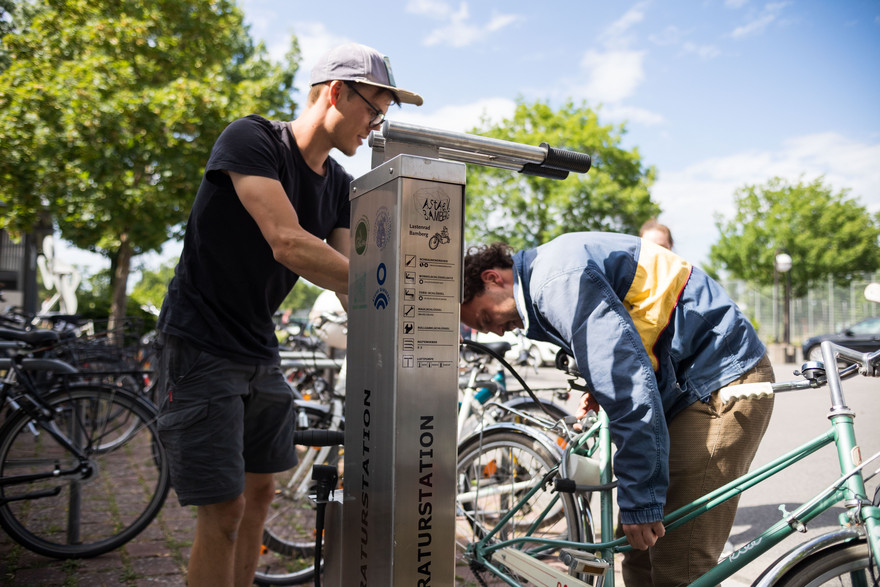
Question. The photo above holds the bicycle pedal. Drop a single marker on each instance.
(579, 561)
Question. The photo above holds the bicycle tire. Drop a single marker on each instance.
(288, 551)
(96, 509)
(846, 564)
(503, 465)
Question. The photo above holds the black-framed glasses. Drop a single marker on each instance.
(378, 116)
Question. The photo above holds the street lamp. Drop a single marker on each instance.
(782, 264)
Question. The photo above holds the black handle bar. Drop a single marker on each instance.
(313, 437)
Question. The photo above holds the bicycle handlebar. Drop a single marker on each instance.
(313, 437)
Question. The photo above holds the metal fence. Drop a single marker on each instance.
(826, 308)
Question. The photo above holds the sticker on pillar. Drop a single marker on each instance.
(380, 297)
(433, 204)
(383, 227)
(439, 238)
(357, 295)
(361, 235)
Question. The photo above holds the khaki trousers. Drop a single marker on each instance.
(710, 445)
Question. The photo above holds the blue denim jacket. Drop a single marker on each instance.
(650, 333)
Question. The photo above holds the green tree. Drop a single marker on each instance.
(524, 210)
(826, 234)
(153, 285)
(109, 108)
(302, 297)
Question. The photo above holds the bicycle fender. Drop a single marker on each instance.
(520, 401)
(522, 429)
(55, 365)
(797, 554)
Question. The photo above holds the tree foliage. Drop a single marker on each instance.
(150, 290)
(109, 109)
(826, 234)
(525, 211)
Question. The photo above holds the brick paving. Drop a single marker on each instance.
(157, 557)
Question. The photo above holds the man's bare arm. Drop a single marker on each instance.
(340, 239)
(292, 245)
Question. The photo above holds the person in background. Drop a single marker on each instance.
(656, 233)
(656, 339)
(273, 206)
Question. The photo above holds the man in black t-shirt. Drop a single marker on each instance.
(272, 206)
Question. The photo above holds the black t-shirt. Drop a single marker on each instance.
(227, 284)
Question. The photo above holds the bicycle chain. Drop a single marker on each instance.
(476, 569)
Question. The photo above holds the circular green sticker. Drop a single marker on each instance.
(361, 235)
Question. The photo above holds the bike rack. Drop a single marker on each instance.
(396, 522)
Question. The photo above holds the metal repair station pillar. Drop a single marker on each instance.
(396, 526)
(402, 385)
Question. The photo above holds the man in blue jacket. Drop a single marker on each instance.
(655, 339)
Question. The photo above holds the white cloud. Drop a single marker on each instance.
(692, 196)
(671, 35)
(622, 113)
(611, 76)
(704, 52)
(617, 34)
(759, 23)
(457, 30)
(432, 8)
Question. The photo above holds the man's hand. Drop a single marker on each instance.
(588, 402)
(644, 536)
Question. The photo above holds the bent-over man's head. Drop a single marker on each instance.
(488, 303)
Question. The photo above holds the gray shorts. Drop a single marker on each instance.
(219, 419)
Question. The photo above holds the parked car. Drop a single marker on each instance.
(539, 353)
(862, 336)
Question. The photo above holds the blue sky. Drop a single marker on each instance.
(715, 94)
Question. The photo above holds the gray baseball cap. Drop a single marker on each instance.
(362, 64)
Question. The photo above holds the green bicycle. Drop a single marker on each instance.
(523, 519)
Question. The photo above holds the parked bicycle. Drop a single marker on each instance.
(525, 514)
(82, 471)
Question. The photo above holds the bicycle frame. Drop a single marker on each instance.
(848, 488)
(42, 417)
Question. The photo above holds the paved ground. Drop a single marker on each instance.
(157, 557)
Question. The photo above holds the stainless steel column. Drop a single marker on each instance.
(402, 386)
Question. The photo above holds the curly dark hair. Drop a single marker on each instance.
(479, 258)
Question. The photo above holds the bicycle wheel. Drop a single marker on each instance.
(494, 473)
(843, 564)
(57, 505)
(288, 553)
